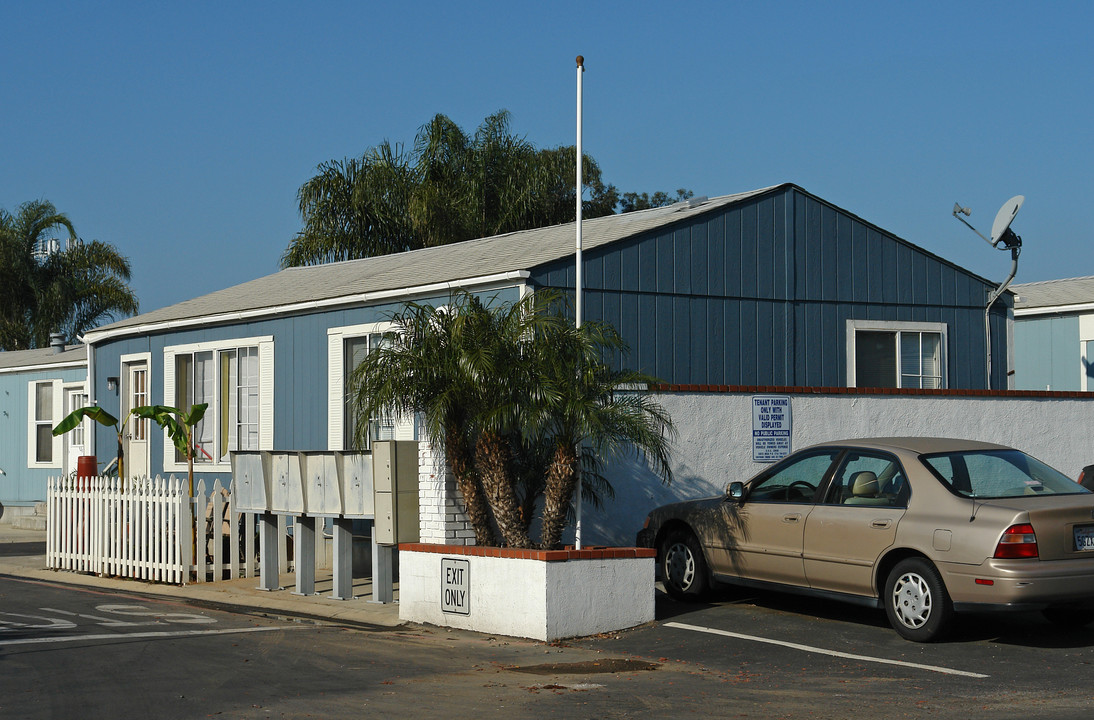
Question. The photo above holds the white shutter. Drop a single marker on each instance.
(169, 399)
(266, 395)
(406, 427)
(335, 390)
(32, 424)
(58, 415)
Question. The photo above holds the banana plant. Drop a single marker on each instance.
(96, 413)
(179, 426)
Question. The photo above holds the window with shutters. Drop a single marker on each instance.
(236, 381)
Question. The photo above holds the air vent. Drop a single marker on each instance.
(690, 203)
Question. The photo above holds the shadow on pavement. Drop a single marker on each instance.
(22, 549)
(1022, 629)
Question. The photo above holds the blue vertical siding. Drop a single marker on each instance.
(20, 484)
(769, 285)
(1047, 353)
(300, 370)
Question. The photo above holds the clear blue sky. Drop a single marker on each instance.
(180, 133)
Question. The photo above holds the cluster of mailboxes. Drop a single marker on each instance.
(381, 485)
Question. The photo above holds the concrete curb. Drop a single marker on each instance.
(22, 555)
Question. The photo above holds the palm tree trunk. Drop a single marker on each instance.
(561, 483)
(491, 456)
(478, 512)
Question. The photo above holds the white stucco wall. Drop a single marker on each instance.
(531, 598)
(714, 445)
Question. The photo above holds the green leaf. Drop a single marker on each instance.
(74, 419)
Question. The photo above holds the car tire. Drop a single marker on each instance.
(916, 601)
(1068, 617)
(683, 567)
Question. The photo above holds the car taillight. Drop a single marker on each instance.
(1019, 541)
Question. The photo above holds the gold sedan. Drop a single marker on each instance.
(922, 527)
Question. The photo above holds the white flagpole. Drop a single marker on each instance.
(577, 274)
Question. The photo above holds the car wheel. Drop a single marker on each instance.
(1068, 617)
(916, 601)
(683, 569)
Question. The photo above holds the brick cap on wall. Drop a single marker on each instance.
(598, 553)
(805, 390)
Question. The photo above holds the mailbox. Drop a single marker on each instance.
(249, 482)
(286, 489)
(355, 481)
(319, 470)
(395, 481)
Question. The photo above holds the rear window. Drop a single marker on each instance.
(999, 474)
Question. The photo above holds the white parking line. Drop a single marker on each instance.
(822, 651)
(165, 634)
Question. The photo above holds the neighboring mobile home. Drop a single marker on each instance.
(37, 388)
(1054, 335)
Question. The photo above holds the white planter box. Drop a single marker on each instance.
(543, 595)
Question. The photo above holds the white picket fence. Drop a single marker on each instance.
(145, 529)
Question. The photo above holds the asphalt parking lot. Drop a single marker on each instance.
(777, 655)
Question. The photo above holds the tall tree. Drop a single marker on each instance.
(450, 186)
(45, 288)
(629, 202)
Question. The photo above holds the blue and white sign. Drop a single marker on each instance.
(771, 428)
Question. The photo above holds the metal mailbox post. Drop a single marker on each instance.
(395, 478)
(308, 485)
(320, 474)
(252, 492)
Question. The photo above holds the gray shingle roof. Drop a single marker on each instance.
(42, 357)
(1054, 293)
(445, 264)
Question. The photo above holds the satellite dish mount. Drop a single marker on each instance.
(1002, 238)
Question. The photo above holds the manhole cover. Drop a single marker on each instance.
(610, 665)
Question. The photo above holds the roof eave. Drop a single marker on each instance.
(96, 336)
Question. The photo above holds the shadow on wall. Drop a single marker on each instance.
(637, 491)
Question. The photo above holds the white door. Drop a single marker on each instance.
(75, 442)
(136, 430)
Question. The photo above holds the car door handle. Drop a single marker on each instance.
(792, 517)
(881, 524)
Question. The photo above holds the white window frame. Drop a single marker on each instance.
(57, 410)
(405, 428)
(123, 386)
(81, 432)
(854, 326)
(265, 345)
(1086, 335)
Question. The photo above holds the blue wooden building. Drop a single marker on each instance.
(1054, 335)
(37, 388)
(774, 287)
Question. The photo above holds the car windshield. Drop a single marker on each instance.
(999, 474)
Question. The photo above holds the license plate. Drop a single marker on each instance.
(1084, 537)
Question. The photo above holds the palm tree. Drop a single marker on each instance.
(420, 370)
(449, 187)
(583, 403)
(46, 289)
(525, 402)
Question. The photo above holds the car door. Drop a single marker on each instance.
(764, 533)
(855, 523)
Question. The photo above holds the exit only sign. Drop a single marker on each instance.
(455, 586)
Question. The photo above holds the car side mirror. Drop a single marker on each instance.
(735, 490)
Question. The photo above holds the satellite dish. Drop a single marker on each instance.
(1001, 227)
